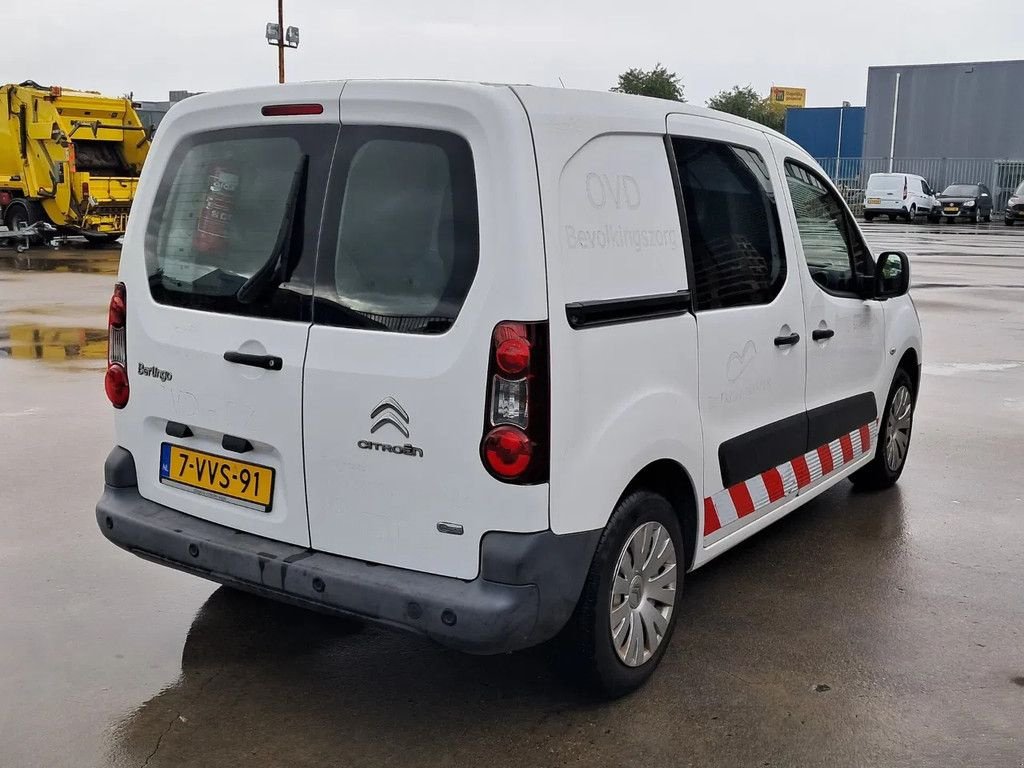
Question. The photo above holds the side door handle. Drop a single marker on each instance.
(822, 333)
(269, 362)
(787, 341)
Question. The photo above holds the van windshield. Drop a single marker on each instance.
(229, 231)
(887, 181)
(961, 190)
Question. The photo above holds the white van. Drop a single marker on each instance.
(490, 363)
(900, 195)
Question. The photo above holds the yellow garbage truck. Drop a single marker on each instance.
(70, 158)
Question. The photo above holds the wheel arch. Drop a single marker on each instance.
(911, 363)
(670, 479)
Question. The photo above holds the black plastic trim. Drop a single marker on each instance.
(590, 314)
(177, 429)
(751, 453)
(236, 444)
(526, 590)
(827, 422)
(744, 456)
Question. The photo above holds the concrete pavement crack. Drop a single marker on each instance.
(177, 715)
(159, 739)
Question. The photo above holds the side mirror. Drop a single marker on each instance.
(892, 275)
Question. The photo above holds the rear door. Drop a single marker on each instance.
(219, 277)
(750, 320)
(431, 237)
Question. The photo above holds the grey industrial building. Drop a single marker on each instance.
(966, 110)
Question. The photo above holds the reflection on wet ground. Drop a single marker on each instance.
(863, 630)
(53, 307)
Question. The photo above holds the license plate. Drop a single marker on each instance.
(874, 201)
(236, 482)
(949, 209)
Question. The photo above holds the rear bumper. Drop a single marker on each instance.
(526, 591)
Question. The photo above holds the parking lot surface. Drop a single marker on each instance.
(863, 629)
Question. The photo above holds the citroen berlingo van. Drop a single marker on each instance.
(493, 364)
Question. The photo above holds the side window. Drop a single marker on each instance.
(835, 253)
(733, 224)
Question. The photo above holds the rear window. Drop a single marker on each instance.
(230, 230)
(886, 181)
(401, 249)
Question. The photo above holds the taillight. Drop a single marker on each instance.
(85, 191)
(516, 426)
(116, 380)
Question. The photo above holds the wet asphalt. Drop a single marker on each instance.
(862, 630)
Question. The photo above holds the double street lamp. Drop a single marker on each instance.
(290, 38)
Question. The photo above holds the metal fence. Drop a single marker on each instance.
(1001, 176)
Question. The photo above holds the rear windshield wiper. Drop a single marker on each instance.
(279, 266)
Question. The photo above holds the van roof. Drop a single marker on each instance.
(577, 102)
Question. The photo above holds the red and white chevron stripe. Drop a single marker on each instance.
(773, 485)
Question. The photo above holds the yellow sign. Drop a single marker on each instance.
(788, 97)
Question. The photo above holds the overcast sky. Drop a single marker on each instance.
(149, 48)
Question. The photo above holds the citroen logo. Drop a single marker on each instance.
(388, 411)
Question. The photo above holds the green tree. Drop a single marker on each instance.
(748, 103)
(658, 82)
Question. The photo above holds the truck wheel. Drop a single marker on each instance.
(869, 216)
(625, 616)
(19, 214)
(893, 437)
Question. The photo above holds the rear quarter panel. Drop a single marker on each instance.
(624, 395)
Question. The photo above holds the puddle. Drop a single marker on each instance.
(952, 369)
(101, 262)
(52, 343)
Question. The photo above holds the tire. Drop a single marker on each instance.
(587, 644)
(869, 217)
(1008, 222)
(987, 218)
(886, 466)
(911, 215)
(19, 214)
(974, 219)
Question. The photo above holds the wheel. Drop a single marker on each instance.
(974, 218)
(869, 216)
(626, 613)
(1008, 222)
(912, 214)
(893, 437)
(988, 217)
(18, 215)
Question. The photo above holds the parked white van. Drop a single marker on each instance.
(490, 363)
(900, 195)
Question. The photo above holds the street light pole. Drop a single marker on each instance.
(282, 38)
(280, 42)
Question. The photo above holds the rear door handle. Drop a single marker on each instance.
(786, 341)
(269, 362)
(822, 333)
